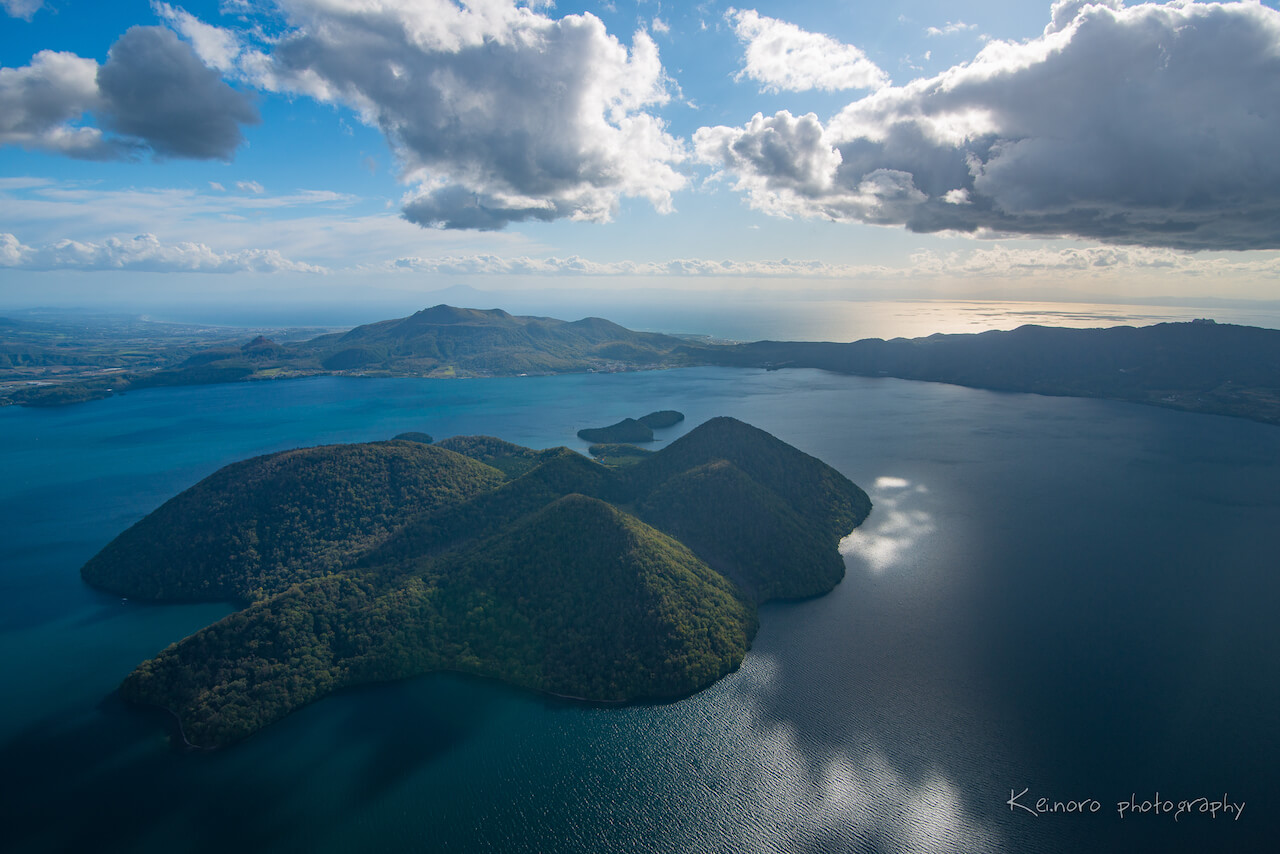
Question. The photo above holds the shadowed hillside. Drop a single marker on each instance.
(1199, 366)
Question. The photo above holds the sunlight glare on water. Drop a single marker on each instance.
(895, 526)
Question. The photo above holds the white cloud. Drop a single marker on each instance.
(46, 211)
(783, 163)
(1001, 261)
(143, 253)
(153, 94)
(1149, 124)
(250, 187)
(217, 47)
(25, 182)
(39, 101)
(984, 264)
(497, 113)
(24, 9)
(660, 26)
(1063, 13)
(950, 28)
(314, 226)
(309, 228)
(574, 265)
(781, 56)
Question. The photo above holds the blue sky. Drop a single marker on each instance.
(370, 150)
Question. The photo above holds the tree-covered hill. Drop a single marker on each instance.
(805, 483)
(472, 341)
(390, 559)
(749, 504)
(255, 527)
(577, 599)
(509, 458)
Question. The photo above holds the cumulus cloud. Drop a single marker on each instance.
(39, 101)
(1063, 13)
(1149, 124)
(24, 9)
(157, 90)
(497, 113)
(152, 94)
(785, 164)
(144, 253)
(781, 56)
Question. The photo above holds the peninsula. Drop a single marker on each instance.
(1199, 366)
(376, 561)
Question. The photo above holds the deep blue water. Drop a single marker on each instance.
(1075, 597)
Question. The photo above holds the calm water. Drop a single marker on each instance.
(746, 315)
(1071, 596)
(745, 318)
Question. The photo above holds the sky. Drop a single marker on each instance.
(294, 152)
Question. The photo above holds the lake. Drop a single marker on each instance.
(1072, 597)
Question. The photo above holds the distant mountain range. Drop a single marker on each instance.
(1199, 366)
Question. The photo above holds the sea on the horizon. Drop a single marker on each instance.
(748, 317)
(850, 320)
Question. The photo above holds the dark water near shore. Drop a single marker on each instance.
(1071, 596)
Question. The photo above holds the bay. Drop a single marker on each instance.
(1070, 596)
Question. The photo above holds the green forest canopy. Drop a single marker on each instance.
(383, 560)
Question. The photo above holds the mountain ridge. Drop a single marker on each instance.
(1199, 366)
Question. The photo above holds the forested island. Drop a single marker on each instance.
(1199, 366)
(632, 429)
(542, 568)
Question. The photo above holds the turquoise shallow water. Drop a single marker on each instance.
(1071, 596)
